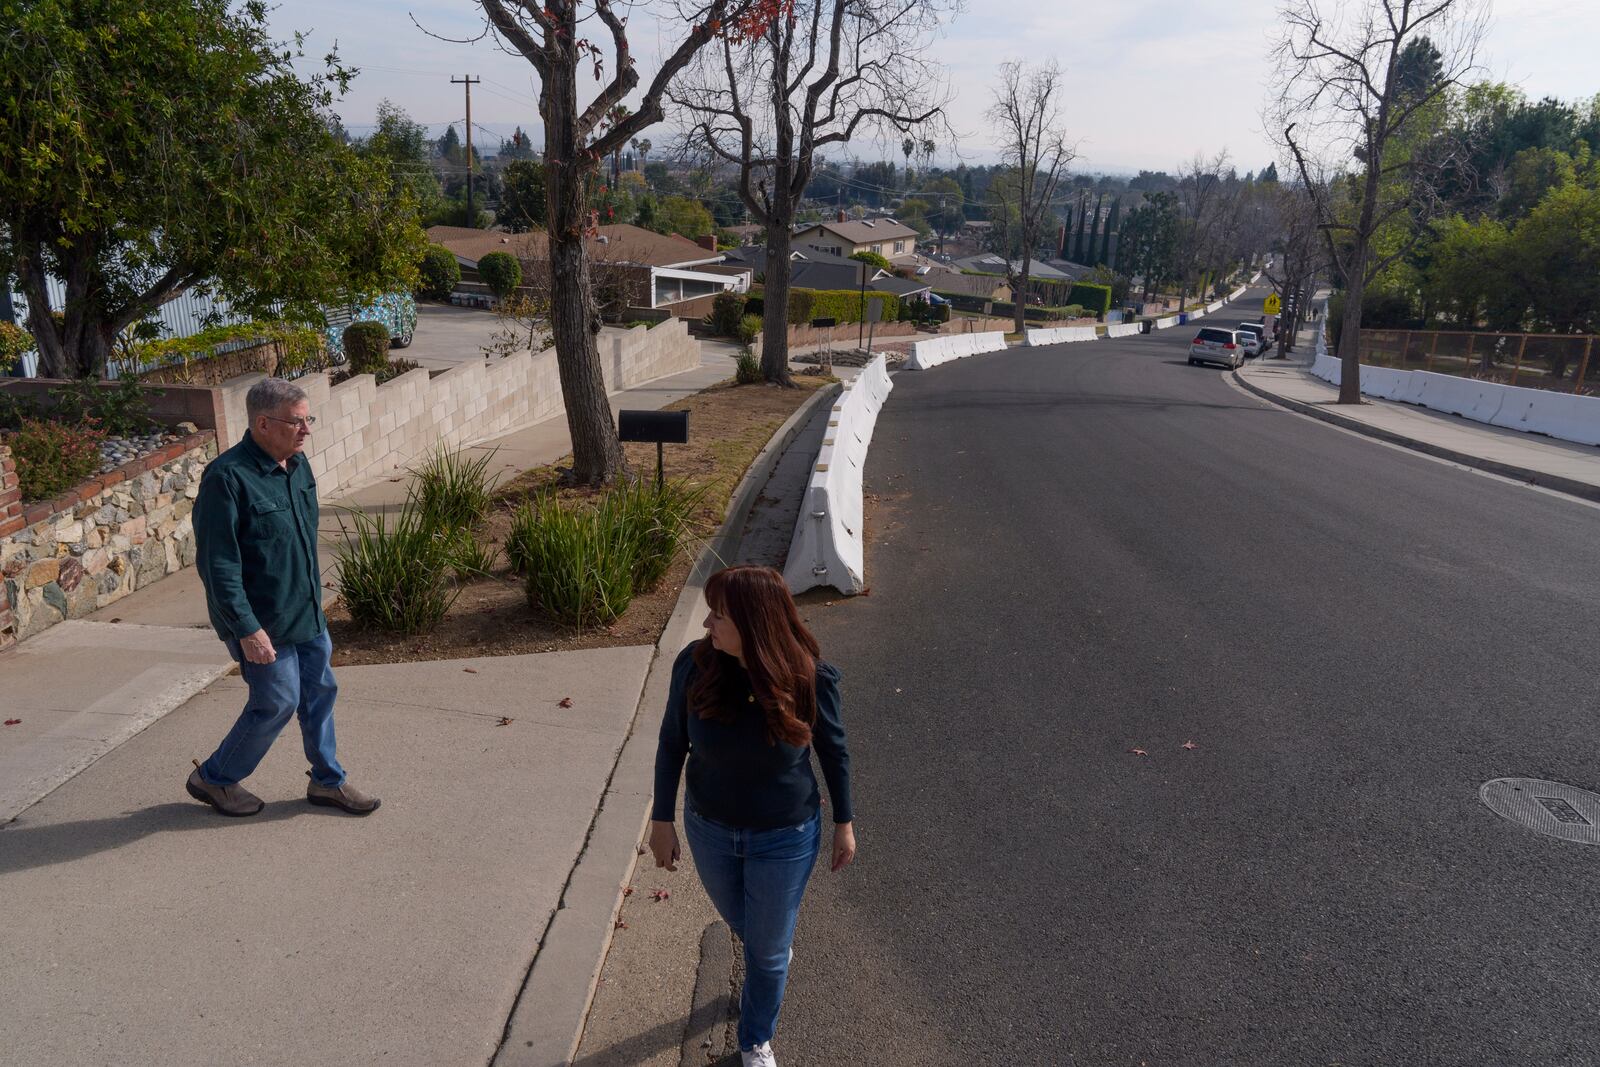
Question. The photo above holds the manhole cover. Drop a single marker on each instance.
(1547, 808)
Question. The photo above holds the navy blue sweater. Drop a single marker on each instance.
(737, 775)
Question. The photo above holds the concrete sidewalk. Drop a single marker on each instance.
(145, 929)
(1543, 461)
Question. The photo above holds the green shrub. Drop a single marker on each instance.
(501, 272)
(749, 329)
(52, 457)
(14, 343)
(454, 491)
(439, 273)
(576, 562)
(1095, 299)
(471, 558)
(748, 370)
(657, 521)
(873, 258)
(394, 368)
(120, 410)
(755, 304)
(397, 573)
(844, 305)
(366, 344)
(727, 311)
(800, 304)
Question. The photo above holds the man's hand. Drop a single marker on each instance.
(257, 647)
(664, 844)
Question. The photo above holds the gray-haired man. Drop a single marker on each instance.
(255, 524)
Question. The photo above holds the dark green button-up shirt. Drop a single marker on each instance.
(255, 528)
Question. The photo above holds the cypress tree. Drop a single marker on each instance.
(1111, 224)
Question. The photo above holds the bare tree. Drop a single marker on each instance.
(1363, 85)
(817, 76)
(1206, 195)
(1027, 116)
(548, 33)
(1299, 249)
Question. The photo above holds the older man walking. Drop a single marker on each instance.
(255, 524)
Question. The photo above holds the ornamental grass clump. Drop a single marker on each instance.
(454, 491)
(398, 572)
(658, 521)
(575, 562)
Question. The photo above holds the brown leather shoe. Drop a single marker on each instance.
(233, 800)
(344, 796)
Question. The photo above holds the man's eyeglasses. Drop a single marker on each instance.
(307, 423)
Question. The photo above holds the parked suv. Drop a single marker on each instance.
(1216, 345)
(1253, 336)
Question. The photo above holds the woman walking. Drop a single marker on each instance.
(749, 702)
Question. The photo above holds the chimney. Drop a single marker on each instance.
(708, 242)
(841, 215)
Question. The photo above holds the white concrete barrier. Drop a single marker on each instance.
(1060, 335)
(828, 547)
(1214, 305)
(926, 355)
(1166, 322)
(1122, 329)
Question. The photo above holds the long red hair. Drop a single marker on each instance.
(780, 654)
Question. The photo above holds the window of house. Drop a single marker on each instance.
(899, 246)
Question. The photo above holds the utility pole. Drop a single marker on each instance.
(469, 81)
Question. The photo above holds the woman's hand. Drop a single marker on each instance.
(844, 845)
(664, 844)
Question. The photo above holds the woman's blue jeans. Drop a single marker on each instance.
(756, 879)
(298, 683)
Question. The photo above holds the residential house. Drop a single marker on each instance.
(984, 287)
(811, 269)
(635, 270)
(989, 263)
(892, 240)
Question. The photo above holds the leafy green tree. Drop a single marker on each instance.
(946, 215)
(501, 272)
(522, 196)
(868, 256)
(1150, 242)
(151, 146)
(519, 146)
(683, 216)
(403, 146)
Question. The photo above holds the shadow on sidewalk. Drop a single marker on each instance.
(641, 1047)
(24, 847)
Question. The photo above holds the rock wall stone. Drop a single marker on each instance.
(94, 545)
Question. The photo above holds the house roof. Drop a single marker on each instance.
(867, 231)
(983, 285)
(989, 263)
(614, 244)
(808, 275)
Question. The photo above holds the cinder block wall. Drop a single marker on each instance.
(366, 431)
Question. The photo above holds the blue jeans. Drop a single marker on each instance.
(299, 682)
(756, 878)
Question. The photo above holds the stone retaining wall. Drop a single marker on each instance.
(367, 431)
(119, 531)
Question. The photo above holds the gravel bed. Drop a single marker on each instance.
(115, 451)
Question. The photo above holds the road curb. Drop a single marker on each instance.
(546, 1022)
(1554, 482)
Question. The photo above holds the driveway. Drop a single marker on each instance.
(449, 335)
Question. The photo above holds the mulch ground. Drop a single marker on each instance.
(728, 426)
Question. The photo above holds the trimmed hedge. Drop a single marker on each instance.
(439, 273)
(844, 305)
(727, 310)
(1095, 299)
(366, 343)
(501, 272)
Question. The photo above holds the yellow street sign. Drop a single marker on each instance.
(1272, 306)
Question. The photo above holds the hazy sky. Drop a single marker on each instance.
(1152, 82)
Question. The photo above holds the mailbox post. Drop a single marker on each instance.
(658, 426)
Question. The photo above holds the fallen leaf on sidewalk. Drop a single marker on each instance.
(660, 894)
(469, 670)
(504, 721)
(13, 722)
(619, 925)
(1190, 746)
(116, 620)
(1138, 752)
(564, 702)
(868, 590)
(627, 891)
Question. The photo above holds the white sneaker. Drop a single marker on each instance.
(760, 1056)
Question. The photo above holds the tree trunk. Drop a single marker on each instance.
(597, 456)
(1350, 326)
(775, 303)
(1019, 305)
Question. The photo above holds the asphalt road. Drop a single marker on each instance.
(1086, 549)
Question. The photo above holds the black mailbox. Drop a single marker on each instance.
(819, 323)
(671, 427)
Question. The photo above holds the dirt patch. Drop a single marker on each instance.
(728, 426)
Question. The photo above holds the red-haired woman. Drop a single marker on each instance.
(748, 704)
